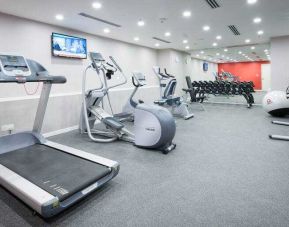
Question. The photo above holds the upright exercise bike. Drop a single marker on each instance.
(138, 80)
(154, 127)
(168, 85)
(127, 114)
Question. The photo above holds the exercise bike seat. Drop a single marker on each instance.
(112, 122)
(173, 100)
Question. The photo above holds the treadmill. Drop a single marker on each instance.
(47, 176)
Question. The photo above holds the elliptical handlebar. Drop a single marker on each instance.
(121, 72)
(116, 65)
(99, 64)
(287, 93)
(110, 64)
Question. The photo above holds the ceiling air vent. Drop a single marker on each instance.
(99, 20)
(213, 4)
(234, 30)
(161, 40)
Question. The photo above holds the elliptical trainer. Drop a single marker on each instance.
(154, 127)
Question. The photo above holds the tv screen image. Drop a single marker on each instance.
(68, 46)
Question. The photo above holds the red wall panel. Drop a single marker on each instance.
(246, 71)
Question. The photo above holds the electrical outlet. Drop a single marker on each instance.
(7, 128)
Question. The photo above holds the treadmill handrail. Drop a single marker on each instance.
(31, 79)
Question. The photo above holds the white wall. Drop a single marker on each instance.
(173, 61)
(266, 77)
(180, 64)
(33, 40)
(279, 63)
(196, 72)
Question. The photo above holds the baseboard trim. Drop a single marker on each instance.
(60, 131)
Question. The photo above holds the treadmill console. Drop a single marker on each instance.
(14, 66)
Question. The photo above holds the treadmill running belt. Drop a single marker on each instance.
(56, 172)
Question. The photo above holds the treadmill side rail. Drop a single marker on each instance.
(31, 194)
(83, 154)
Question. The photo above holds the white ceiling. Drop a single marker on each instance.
(261, 52)
(274, 14)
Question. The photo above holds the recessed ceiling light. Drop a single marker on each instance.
(140, 23)
(136, 39)
(247, 41)
(187, 47)
(251, 2)
(106, 30)
(217, 54)
(223, 56)
(96, 5)
(206, 28)
(59, 17)
(167, 34)
(215, 44)
(228, 58)
(266, 50)
(226, 50)
(197, 55)
(187, 13)
(219, 37)
(260, 32)
(253, 48)
(240, 52)
(202, 52)
(257, 20)
(185, 41)
(157, 45)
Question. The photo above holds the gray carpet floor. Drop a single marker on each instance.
(224, 172)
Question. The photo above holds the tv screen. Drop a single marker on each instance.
(68, 46)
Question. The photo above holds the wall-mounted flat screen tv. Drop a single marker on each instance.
(68, 46)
